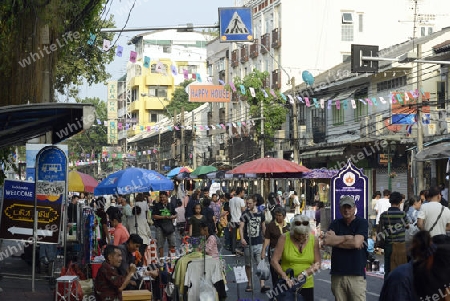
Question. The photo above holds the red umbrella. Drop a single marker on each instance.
(269, 165)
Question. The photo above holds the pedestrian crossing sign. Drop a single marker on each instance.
(236, 24)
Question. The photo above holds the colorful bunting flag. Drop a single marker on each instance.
(146, 62)
(265, 93)
(197, 76)
(106, 45)
(221, 82)
(233, 87)
(173, 68)
(186, 74)
(242, 89)
(133, 56)
(91, 40)
(119, 51)
(252, 92)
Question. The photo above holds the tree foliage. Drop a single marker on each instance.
(274, 109)
(91, 141)
(40, 54)
(180, 99)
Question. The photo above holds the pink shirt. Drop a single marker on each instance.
(121, 234)
(211, 246)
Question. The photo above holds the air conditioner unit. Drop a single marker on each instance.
(364, 128)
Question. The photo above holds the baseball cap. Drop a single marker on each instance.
(346, 200)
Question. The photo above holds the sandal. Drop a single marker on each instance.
(265, 289)
(248, 289)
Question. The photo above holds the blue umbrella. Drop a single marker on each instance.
(174, 172)
(133, 180)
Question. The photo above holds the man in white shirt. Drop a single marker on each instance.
(237, 206)
(433, 216)
(382, 205)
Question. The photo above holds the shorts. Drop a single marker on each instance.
(256, 253)
(161, 238)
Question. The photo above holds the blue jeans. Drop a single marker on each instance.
(48, 250)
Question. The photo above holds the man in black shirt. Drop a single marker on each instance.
(164, 214)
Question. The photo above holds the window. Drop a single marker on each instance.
(318, 123)
(164, 66)
(302, 114)
(430, 30)
(422, 31)
(346, 57)
(392, 83)
(135, 94)
(347, 32)
(360, 22)
(210, 70)
(190, 68)
(338, 115)
(167, 49)
(347, 18)
(361, 110)
(153, 117)
(157, 91)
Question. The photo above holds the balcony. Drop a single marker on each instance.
(276, 79)
(234, 58)
(276, 38)
(254, 49)
(244, 55)
(265, 43)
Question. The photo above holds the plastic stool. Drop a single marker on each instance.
(67, 294)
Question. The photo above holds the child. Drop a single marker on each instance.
(371, 247)
(194, 225)
(211, 248)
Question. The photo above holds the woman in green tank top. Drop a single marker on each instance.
(298, 250)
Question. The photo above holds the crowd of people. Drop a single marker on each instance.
(410, 233)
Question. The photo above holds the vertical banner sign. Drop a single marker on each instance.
(352, 182)
(51, 189)
(16, 220)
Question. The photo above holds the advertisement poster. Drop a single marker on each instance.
(18, 211)
(51, 189)
(349, 181)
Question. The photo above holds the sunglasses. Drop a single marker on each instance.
(299, 223)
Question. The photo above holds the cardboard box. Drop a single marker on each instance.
(137, 295)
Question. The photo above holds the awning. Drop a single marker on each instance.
(339, 151)
(345, 94)
(20, 123)
(434, 152)
(308, 155)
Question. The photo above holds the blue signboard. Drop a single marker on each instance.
(51, 187)
(17, 210)
(236, 24)
(349, 181)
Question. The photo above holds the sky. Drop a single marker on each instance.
(148, 13)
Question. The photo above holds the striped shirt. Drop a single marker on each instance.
(392, 224)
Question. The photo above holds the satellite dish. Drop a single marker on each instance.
(308, 78)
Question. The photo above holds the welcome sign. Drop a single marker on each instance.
(349, 181)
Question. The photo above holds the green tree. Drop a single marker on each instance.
(274, 108)
(180, 99)
(44, 47)
(91, 141)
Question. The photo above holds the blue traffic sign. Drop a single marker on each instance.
(236, 24)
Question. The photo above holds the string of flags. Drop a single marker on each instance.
(157, 128)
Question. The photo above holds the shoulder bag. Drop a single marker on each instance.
(437, 219)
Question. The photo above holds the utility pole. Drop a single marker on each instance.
(182, 138)
(262, 130)
(159, 151)
(175, 140)
(194, 145)
(419, 164)
(295, 121)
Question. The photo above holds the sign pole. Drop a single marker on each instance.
(35, 223)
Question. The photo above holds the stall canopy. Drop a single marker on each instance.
(434, 152)
(21, 123)
(270, 167)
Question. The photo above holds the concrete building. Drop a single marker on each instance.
(148, 86)
(370, 118)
